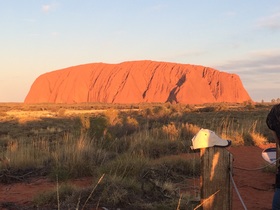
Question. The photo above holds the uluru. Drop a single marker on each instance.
(137, 82)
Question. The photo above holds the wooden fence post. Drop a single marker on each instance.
(215, 182)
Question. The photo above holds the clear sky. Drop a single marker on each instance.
(235, 36)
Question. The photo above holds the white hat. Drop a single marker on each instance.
(207, 138)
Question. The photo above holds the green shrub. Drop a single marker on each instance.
(50, 197)
(98, 127)
(126, 165)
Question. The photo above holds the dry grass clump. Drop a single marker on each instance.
(188, 130)
(170, 131)
(258, 139)
(61, 112)
(113, 116)
(125, 165)
(26, 154)
(50, 197)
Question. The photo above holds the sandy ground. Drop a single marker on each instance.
(22, 194)
(254, 186)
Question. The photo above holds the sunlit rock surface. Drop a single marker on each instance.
(137, 82)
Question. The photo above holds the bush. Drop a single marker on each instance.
(61, 112)
(170, 131)
(124, 166)
(98, 127)
(50, 197)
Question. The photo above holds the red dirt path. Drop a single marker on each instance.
(255, 187)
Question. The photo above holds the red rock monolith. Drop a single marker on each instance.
(137, 82)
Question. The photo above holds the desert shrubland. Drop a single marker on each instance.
(143, 150)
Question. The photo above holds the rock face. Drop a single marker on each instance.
(136, 82)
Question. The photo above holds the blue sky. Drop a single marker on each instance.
(237, 36)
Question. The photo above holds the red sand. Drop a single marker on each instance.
(23, 193)
(255, 187)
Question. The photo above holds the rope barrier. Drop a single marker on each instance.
(256, 169)
(253, 169)
(238, 194)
